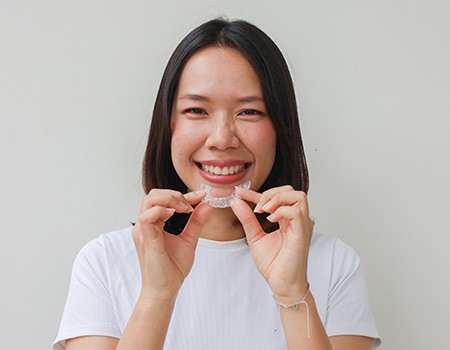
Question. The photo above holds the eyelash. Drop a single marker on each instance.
(254, 112)
(246, 112)
(195, 111)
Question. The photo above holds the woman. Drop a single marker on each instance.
(189, 275)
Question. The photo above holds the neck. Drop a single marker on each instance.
(222, 225)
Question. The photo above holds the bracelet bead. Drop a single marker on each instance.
(295, 306)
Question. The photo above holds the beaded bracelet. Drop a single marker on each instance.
(294, 306)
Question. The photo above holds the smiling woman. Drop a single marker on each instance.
(190, 275)
(221, 131)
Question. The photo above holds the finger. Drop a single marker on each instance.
(195, 224)
(248, 195)
(247, 217)
(286, 198)
(267, 195)
(166, 198)
(194, 197)
(155, 215)
(286, 212)
(148, 231)
(293, 219)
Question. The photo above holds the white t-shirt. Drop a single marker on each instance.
(224, 303)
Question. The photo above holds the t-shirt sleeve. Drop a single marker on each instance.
(89, 309)
(349, 311)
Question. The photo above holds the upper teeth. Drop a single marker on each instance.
(227, 170)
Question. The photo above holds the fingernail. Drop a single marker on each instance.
(200, 192)
(266, 206)
(257, 209)
(232, 201)
(270, 218)
(169, 213)
(187, 208)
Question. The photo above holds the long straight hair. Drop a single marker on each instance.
(289, 167)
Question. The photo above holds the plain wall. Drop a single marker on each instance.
(77, 86)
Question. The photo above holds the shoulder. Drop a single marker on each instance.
(325, 245)
(339, 266)
(107, 248)
(92, 297)
(332, 257)
(345, 307)
(114, 242)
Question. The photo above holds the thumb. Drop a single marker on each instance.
(247, 217)
(198, 218)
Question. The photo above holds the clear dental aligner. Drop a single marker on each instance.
(221, 202)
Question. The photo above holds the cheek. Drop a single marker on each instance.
(185, 128)
(184, 141)
(263, 139)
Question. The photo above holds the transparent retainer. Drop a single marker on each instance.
(221, 202)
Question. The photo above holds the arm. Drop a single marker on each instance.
(282, 257)
(165, 261)
(351, 342)
(295, 320)
(296, 328)
(146, 329)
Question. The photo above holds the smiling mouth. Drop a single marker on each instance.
(226, 170)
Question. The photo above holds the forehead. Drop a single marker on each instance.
(219, 68)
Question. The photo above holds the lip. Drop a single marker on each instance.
(222, 179)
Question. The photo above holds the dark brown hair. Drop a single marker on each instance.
(278, 91)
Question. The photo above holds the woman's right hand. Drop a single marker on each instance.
(166, 259)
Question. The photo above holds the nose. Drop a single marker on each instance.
(222, 134)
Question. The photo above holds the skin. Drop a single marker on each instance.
(220, 117)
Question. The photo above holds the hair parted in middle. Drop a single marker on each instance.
(265, 57)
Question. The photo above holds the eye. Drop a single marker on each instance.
(250, 112)
(196, 111)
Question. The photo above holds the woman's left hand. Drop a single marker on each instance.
(281, 256)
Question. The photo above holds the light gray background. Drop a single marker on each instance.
(77, 85)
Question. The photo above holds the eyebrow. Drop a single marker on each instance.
(196, 97)
(251, 98)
